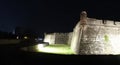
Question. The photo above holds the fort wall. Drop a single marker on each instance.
(58, 38)
(96, 37)
(90, 36)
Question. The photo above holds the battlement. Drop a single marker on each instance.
(117, 23)
(84, 20)
(93, 21)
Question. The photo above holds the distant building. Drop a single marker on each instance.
(22, 33)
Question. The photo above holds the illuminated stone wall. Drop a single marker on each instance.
(70, 35)
(90, 36)
(61, 38)
(58, 38)
(50, 38)
(96, 37)
(75, 38)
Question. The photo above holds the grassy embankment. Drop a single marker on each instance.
(55, 49)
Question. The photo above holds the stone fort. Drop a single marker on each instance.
(90, 36)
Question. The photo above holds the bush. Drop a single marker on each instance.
(106, 38)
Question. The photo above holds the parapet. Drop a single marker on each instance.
(117, 23)
(84, 20)
(108, 22)
(93, 21)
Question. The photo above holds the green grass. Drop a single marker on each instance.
(57, 49)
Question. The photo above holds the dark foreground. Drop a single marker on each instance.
(12, 55)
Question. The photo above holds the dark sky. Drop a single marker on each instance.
(53, 15)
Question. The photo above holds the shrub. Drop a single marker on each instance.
(106, 38)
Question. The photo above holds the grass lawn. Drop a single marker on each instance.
(56, 49)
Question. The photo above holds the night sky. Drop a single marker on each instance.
(53, 15)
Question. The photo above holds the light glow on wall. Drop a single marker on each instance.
(41, 48)
(47, 39)
(115, 43)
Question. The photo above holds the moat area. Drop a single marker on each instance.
(12, 55)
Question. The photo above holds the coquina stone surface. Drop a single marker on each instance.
(96, 36)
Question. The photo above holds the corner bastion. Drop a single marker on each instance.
(95, 36)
